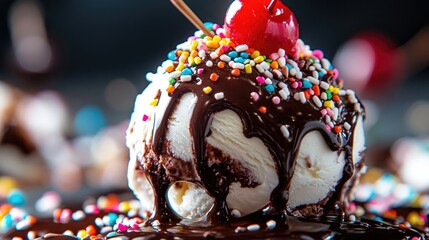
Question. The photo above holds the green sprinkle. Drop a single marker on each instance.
(172, 81)
(328, 94)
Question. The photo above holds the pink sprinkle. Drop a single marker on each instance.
(328, 127)
(295, 85)
(260, 80)
(299, 84)
(202, 47)
(310, 91)
(200, 71)
(330, 112)
(318, 54)
(335, 72)
(274, 56)
(215, 27)
(122, 227)
(65, 215)
(190, 39)
(221, 32)
(276, 100)
(145, 117)
(92, 209)
(135, 226)
(352, 207)
(225, 48)
(323, 112)
(254, 96)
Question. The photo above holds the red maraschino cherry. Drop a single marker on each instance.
(265, 25)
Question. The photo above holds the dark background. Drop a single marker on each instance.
(96, 41)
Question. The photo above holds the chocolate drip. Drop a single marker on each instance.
(301, 117)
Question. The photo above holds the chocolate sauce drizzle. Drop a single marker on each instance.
(301, 117)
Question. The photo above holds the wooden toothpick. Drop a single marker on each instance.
(190, 15)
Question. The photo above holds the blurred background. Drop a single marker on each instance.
(70, 71)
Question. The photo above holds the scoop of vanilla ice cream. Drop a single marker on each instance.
(227, 135)
(317, 172)
(189, 201)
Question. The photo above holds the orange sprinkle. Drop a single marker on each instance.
(91, 230)
(390, 214)
(235, 72)
(262, 109)
(214, 77)
(335, 98)
(274, 64)
(292, 79)
(170, 89)
(337, 129)
(57, 213)
(169, 69)
(316, 90)
(221, 64)
(179, 52)
(307, 95)
(32, 220)
(403, 226)
(5, 208)
(219, 51)
(194, 53)
(330, 72)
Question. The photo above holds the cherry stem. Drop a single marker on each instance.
(271, 6)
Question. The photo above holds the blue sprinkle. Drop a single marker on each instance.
(113, 234)
(172, 56)
(321, 74)
(187, 71)
(112, 218)
(7, 222)
(331, 67)
(209, 25)
(270, 88)
(233, 54)
(238, 60)
(306, 84)
(244, 55)
(16, 198)
(289, 66)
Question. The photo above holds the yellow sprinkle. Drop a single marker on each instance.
(328, 104)
(180, 67)
(197, 60)
(248, 68)
(212, 44)
(336, 90)
(258, 59)
(216, 39)
(81, 234)
(415, 219)
(154, 103)
(124, 207)
(224, 42)
(184, 56)
(331, 88)
(207, 90)
(208, 38)
(255, 54)
(301, 55)
(274, 64)
(194, 45)
(191, 60)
